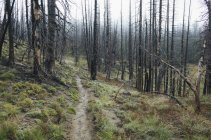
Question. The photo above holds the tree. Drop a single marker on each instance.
(140, 62)
(50, 58)
(208, 49)
(186, 48)
(11, 60)
(5, 25)
(108, 60)
(130, 47)
(36, 35)
(28, 30)
(122, 57)
(172, 73)
(182, 50)
(95, 46)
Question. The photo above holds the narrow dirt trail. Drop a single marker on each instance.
(81, 129)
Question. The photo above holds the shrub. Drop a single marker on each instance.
(30, 89)
(26, 104)
(7, 76)
(3, 86)
(10, 109)
(8, 130)
(60, 112)
(32, 134)
(71, 110)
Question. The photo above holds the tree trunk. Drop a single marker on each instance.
(208, 50)
(95, 47)
(182, 51)
(130, 47)
(50, 58)
(11, 60)
(36, 16)
(140, 61)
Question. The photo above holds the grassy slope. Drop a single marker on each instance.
(143, 116)
(30, 110)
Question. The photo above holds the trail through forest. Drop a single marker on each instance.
(81, 126)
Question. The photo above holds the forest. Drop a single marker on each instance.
(105, 70)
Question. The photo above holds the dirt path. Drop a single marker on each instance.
(81, 129)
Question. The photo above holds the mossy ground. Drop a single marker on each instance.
(143, 115)
(30, 110)
(34, 110)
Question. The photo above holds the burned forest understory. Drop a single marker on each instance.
(105, 70)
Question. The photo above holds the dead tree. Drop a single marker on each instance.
(95, 46)
(130, 47)
(122, 57)
(140, 61)
(167, 48)
(36, 40)
(208, 50)
(50, 58)
(11, 60)
(172, 74)
(6, 22)
(186, 49)
(182, 51)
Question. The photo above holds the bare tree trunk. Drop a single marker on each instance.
(28, 30)
(108, 41)
(207, 87)
(11, 60)
(186, 49)
(50, 58)
(5, 27)
(161, 68)
(36, 16)
(172, 73)
(122, 57)
(140, 62)
(130, 48)
(167, 48)
(95, 47)
(182, 51)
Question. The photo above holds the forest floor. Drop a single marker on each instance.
(81, 125)
(40, 110)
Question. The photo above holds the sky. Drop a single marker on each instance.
(197, 9)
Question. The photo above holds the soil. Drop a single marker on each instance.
(81, 123)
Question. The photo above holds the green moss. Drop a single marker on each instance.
(132, 127)
(26, 104)
(194, 126)
(49, 88)
(43, 114)
(153, 127)
(7, 76)
(36, 113)
(3, 86)
(10, 109)
(30, 90)
(61, 99)
(3, 116)
(34, 133)
(51, 131)
(74, 94)
(60, 112)
(8, 97)
(71, 110)
(105, 129)
(130, 106)
(8, 131)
